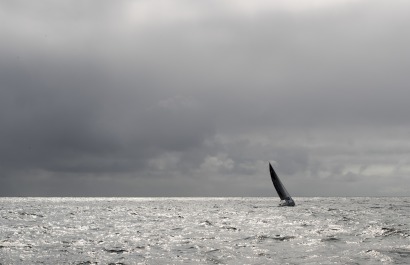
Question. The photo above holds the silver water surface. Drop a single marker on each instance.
(204, 231)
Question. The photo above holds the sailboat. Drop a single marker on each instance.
(284, 195)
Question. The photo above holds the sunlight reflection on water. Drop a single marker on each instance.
(204, 230)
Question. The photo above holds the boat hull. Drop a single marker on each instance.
(287, 203)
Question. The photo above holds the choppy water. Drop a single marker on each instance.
(204, 231)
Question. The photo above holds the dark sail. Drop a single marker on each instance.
(280, 189)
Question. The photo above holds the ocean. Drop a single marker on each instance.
(320, 230)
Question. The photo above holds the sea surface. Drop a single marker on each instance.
(204, 231)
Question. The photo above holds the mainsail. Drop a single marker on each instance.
(280, 189)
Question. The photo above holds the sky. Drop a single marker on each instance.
(194, 98)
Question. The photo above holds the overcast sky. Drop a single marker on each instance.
(193, 98)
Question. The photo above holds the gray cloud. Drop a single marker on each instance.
(192, 99)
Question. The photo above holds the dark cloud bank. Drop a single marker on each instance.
(182, 98)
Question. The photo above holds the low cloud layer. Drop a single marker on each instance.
(187, 98)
